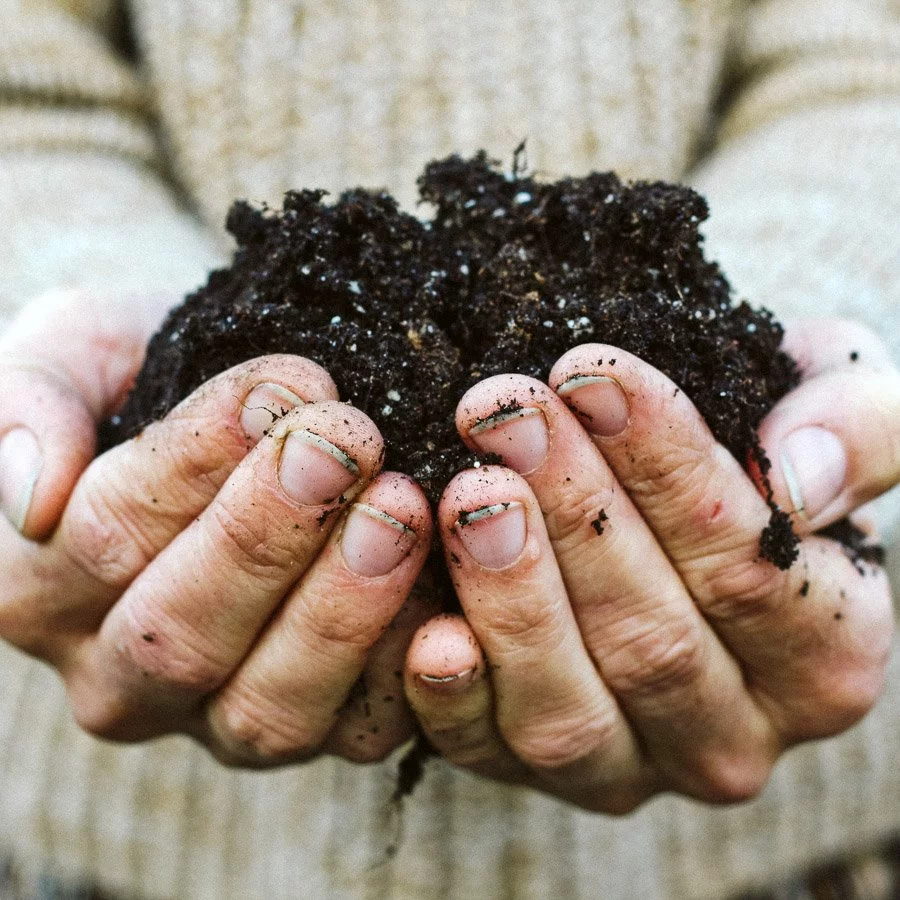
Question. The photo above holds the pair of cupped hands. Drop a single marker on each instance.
(245, 572)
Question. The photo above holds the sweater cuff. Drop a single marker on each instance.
(95, 222)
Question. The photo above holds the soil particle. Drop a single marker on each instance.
(778, 543)
(406, 313)
(597, 524)
(855, 543)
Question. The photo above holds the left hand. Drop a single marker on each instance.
(621, 635)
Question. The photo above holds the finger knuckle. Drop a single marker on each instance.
(560, 742)
(523, 620)
(201, 462)
(729, 778)
(246, 536)
(837, 702)
(99, 713)
(740, 588)
(257, 729)
(569, 518)
(326, 625)
(35, 633)
(173, 660)
(102, 536)
(676, 470)
(663, 658)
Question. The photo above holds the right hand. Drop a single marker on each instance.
(239, 572)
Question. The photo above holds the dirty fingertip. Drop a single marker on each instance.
(444, 655)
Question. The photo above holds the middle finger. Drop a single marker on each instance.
(552, 708)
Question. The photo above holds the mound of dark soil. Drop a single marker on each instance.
(505, 275)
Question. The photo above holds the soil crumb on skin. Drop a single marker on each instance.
(506, 275)
(597, 524)
(778, 543)
(856, 544)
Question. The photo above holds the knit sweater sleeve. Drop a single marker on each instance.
(82, 200)
(803, 178)
(802, 181)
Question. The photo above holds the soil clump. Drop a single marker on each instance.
(505, 274)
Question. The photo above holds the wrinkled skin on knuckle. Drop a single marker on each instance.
(102, 539)
(248, 540)
(256, 732)
(329, 629)
(204, 460)
(168, 654)
(681, 470)
(554, 744)
(568, 520)
(523, 622)
(741, 587)
(665, 659)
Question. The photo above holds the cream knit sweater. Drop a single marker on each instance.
(115, 176)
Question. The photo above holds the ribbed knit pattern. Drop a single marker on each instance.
(251, 97)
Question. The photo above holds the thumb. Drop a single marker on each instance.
(834, 444)
(66, 362)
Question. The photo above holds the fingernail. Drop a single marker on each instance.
(21, 461)
(264, 406)
(494, 536)
(448, 683)
(598, 401)
(314, 471)
(518, 436)
(814, 464)
(374, 543)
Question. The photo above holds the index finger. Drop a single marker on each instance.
(137, 497)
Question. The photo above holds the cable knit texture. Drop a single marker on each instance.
(115, 176)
